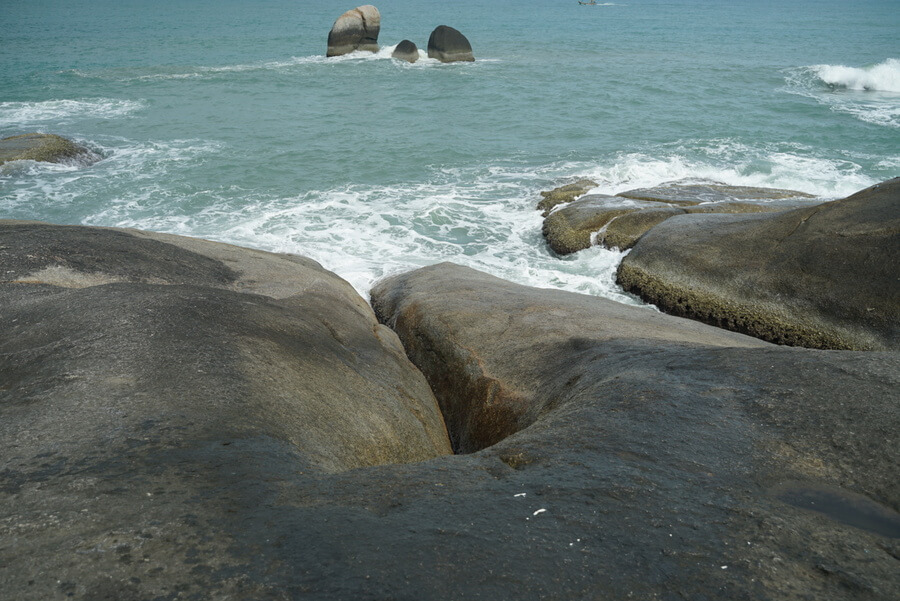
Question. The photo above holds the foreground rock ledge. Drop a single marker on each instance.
(821, 277)
(689, 457)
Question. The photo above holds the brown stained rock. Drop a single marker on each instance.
(449, 45)
(624, 231)
(356, 29)
(823, 276)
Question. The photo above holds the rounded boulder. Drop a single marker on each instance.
(449, 46)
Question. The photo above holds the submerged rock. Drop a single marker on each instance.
(356, 29)
(564, 194)
(823, 276)
(42, 147)
(569, 228)
(656, 448)
(406, 51)
(449, 45)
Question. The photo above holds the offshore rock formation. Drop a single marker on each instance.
(356, 29)
(823, 276)
(449, 45)
(43, 147)
(406, 51)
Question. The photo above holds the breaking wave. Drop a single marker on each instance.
(62, 111)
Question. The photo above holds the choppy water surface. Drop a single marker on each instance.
(225, 120)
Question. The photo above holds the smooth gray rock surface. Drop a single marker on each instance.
(406, 51)
(692, 192)
(823, 276)
(448, 45)
(654, 457)
(356, 29)
(156, 390)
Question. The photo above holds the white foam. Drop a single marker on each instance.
(883, 77)
(61, 111)
(871, 94)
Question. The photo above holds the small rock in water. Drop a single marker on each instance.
(406, 51)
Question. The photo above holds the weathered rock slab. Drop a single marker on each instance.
(356, 29)
(448, 45)
(698, 463)
(563, 194)
(823, 276)
(689, 193)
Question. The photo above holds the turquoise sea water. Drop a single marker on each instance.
(223, 119)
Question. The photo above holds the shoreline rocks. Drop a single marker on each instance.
(823, 276)
(356, 29)
(448, 45)
(617, 222)
(48, 148)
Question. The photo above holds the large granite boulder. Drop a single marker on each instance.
(638, 455)
(48, 148)
(822, 276)
(406, 51)
(449, 45)
(356, 29)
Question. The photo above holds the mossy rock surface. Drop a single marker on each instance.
(563, 194)
(625, 230)
(47, 148)
(823, 276)
(684, 193)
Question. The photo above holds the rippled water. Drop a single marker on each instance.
(225, 120)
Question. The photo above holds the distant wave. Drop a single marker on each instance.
(23, 113)
(883, 77)
(868, 93)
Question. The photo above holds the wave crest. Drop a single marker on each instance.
(883, 77)
(22, 113)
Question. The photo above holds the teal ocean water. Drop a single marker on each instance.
(223, 119)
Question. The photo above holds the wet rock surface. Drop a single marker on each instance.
(563, 194)
(48, 148)
(822, 276)
(356, 29)
(618, 222)
(448, 45)
(661, 449)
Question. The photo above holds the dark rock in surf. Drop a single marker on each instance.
(689, 451)
(356, 29)
(406, 51)
(569, 229)
(449, 46)
(48, 148)
(823, 276)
